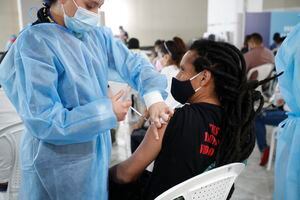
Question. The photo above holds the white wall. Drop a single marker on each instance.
(254, 5)
(227, 16)
(14, 15)
(29, 9)
(280, 4)
(144, 19)
(8, 21)
(157, 19)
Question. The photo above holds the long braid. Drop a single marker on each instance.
(237, 97)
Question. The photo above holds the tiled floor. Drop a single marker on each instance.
(255, 182)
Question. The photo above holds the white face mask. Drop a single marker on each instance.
(83, 20)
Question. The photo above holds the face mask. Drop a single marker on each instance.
(83, 20)
(183, 90)
(158, 65)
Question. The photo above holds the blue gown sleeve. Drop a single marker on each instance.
(288, 61)
(39, 103)
(133, 68)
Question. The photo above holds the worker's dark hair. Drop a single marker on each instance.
(49, 2)
(176, 52)
(237, 97)
(256, 38)
(133, 43)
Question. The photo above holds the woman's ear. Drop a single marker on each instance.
(168, 57)
(167, 60)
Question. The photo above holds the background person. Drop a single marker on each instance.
(276, 41)
(258, 54)
(269, 116)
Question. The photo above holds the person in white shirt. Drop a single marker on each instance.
(170, 56)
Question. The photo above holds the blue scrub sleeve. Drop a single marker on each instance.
(40, 105)
(134, 69)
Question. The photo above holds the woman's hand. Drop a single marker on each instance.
(160, 114)
(120, 107)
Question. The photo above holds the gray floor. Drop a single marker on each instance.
(255, 182)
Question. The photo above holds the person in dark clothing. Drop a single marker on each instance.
(213, 128)
(276, 41)
(133, 43)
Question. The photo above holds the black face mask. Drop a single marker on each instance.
(182, 90)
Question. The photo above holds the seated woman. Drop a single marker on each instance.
(171, 55)
(215, 127)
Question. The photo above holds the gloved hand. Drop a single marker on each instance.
(120, 107)
(160, 114)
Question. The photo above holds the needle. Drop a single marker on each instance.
(138, 113)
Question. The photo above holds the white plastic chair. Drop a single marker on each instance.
(12, 134)
(272, 148)
(8, 114)
(264, 71)
(212, 185)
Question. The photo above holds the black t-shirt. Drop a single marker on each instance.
(188, 149)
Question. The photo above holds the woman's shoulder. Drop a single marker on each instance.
(195, 107)
(198, 112)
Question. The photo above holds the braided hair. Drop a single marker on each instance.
(237, 97)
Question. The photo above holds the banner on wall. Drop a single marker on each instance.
(259, 23)
(283, 22)
(268, 23)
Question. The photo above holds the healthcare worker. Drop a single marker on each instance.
(287, 165)
(56, 75)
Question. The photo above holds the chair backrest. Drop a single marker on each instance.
(212, 185)
(13, 134)
(8, 114)
(264, 71)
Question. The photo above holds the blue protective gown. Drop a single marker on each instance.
(58, 85)
(287, 165)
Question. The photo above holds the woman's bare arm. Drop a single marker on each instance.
(130, 169)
